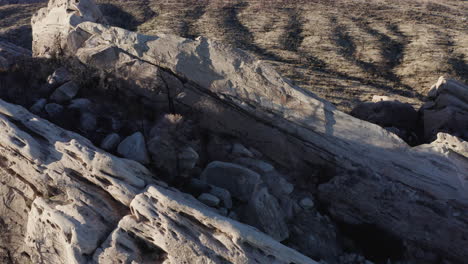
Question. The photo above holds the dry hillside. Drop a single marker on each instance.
(344, 50)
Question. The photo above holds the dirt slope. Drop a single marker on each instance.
(345, 51)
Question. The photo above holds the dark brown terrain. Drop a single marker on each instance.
(345, 51)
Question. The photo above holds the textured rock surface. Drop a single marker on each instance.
(66, 201)
(233, 93)
(446, 110)
(134, 147)
(265, 212)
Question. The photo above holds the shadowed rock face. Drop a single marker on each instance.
(65, 197)
(377, 180)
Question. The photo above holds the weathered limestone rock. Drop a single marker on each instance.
(436, 221)
(10, 54)
(54, 181)
(177, 224)
(66, 201)
(233, 93)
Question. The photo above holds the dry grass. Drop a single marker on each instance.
(344, 50)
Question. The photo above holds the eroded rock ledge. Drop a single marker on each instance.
(67, 201)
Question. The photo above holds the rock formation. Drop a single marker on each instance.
(71, 202)
(9, 54)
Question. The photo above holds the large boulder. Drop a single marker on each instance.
(169, 148)
(65, 92)
(51, 25)
(239, 181)
(446, 110)
(134, 147)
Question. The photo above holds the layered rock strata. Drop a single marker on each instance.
(66, 201)
(417, 195)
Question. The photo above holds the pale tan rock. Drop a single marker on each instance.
(64, 197)
(187, 232)
(51, 24)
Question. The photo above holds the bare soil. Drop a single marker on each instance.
(344, 50)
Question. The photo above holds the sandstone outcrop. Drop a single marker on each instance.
(361, 174)
(66, 201)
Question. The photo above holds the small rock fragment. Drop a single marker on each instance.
(209, 199)
(65, 93)
(306, 203)
(81, 104)
(134, 147)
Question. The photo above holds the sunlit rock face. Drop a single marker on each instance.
(71, 202)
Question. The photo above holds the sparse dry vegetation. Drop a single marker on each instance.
(343, 50)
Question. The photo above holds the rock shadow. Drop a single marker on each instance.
(21, 36)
